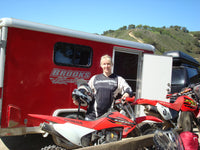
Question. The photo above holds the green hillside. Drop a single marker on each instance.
(164, 39)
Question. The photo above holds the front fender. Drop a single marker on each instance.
(151, 118)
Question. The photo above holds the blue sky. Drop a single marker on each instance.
(96, 16)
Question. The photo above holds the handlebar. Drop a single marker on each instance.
(186, 90)
(124, 107)
(122, 101)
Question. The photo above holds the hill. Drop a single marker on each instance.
(164, 39)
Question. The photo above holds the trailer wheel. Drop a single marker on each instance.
(53, 147)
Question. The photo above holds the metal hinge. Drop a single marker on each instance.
(2, 43)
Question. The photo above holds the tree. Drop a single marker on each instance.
(139, 26)
(123, 28)
(177, 28)
(146, 27)
(131, 26)
(184, 29)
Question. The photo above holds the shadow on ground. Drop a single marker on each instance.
(26, 142)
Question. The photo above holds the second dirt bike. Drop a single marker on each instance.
(182, 113)
(74, 133)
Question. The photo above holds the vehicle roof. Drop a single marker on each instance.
(182, 58)
(12, 22)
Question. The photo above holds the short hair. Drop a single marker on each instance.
(106, 57)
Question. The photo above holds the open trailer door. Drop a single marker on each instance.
(3, 38)
(155, 78)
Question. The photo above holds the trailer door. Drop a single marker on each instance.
(156, 76)
(3, 38)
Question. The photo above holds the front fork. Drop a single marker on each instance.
(197, 122)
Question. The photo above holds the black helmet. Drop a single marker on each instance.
(83, 94)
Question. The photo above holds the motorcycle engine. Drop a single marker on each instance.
(111, 136)
(102, 137)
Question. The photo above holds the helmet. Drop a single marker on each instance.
(83, 94)
(169, 139)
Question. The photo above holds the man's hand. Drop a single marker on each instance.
(125, 96)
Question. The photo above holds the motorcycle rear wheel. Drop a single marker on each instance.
(53, 147)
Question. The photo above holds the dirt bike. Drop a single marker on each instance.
(112, 126)
(182, 113)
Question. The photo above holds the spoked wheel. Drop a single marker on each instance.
(186, 121)
(53, 147)
(150, 128)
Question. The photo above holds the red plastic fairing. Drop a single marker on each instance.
(152, 118)
(142, 101)
(48, 118)
(183, 103)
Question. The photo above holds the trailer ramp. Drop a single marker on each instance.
(133, 143)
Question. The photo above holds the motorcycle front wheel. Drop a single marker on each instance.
(186, 121)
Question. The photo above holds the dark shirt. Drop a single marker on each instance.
(105, 90)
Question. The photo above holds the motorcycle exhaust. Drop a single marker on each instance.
(57, 138)
(149, 108)
(49, 129)
(46, 127)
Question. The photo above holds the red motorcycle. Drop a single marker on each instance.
(112, 126)
(182, 113)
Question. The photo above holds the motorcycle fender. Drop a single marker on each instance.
(72, 132)
(164, 111)
(144, 118)
(48, 118)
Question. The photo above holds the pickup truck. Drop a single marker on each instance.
(185, 70)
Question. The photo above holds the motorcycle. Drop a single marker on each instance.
(75, 133)
(182, 113)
